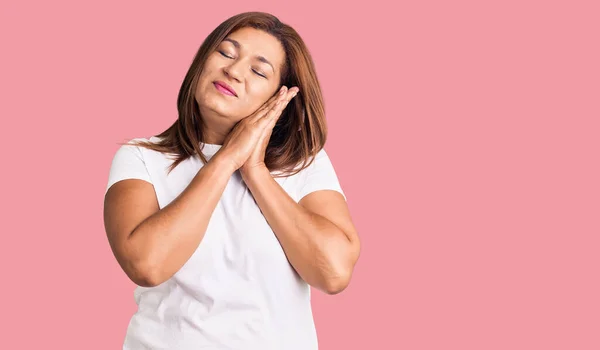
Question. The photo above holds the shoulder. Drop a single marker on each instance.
(319, 175)
(319, 161)
(130, 161)
(130, 150)
(303, 166)
(137, 146)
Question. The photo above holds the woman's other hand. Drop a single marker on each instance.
(257, 157)
(247, 138)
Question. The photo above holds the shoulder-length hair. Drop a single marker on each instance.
(301, 130)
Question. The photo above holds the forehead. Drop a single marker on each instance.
(257, 42)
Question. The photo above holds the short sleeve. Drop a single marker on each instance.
(320, 175)
(127, 163)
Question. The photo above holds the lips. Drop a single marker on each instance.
(226, 89)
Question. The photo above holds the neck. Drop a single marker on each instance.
(215, 127)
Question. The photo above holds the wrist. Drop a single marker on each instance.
(249, 172)
(223, 163)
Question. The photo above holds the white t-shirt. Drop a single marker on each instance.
(237, 290)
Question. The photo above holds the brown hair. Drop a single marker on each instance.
(300, 132)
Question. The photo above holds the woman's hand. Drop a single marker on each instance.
(243, 139)
(257, 158)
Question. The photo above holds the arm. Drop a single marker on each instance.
(152, 244)
(317, 234)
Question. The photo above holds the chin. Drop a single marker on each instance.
(217, 107)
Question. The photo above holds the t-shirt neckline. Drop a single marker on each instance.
(210, 147)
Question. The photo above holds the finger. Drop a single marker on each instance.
(291, 93)
(268, 123)
(270, 104)
(280, 97)
(269, 126)
(267, 106)
(273, 116)
(266, 132)
(279, 107)
(281, 104)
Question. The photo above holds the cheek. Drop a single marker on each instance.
(208, 73)
(203, 79)
(258, 95)
(204, 85)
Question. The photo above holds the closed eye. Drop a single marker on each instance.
(223, 54)
(257, 73)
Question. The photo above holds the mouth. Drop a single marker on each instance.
(224, 88)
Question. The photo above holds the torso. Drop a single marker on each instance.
(237, 290)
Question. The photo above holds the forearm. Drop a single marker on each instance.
(167, 239)
(317, 249)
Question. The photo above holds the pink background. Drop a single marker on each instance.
(465, 135)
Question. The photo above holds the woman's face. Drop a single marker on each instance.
(248, 61)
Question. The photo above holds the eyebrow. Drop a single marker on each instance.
(260, 58)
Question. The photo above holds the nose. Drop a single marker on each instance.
(234, 70)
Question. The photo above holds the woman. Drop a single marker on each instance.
(226, 219)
